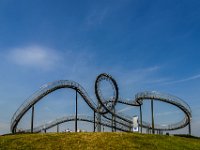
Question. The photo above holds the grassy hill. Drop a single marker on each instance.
(97, 141)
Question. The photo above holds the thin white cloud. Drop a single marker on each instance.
(150, 69)
(139, 76)
(185, 80)
(167, 113)
(156, 81)
(34, 56)
(125, 109)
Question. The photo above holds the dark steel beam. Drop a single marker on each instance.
(189, 127)
(112, 123)
(57, 128)
(152, 117)
(32, 119)
(76, 111)
(94, 121)
(98, 118)
(140, 119)
(114, 120)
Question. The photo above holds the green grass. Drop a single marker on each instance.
(97, 141)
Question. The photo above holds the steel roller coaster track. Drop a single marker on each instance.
(104, 107)
(104, 122)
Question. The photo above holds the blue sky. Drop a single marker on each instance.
(144, 45)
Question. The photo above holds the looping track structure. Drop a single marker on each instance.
(104, 107)
(107, 105)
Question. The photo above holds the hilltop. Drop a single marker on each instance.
(91, 141)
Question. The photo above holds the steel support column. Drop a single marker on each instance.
(112, 122)
(32, 119)
(94, 121)
(140, 119)
(76, 111)
(115, 129)
(152, 117)
(98, 118)
(57, 128)
(98, 122)
(189, 127)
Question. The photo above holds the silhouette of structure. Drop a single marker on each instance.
(104, 110)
